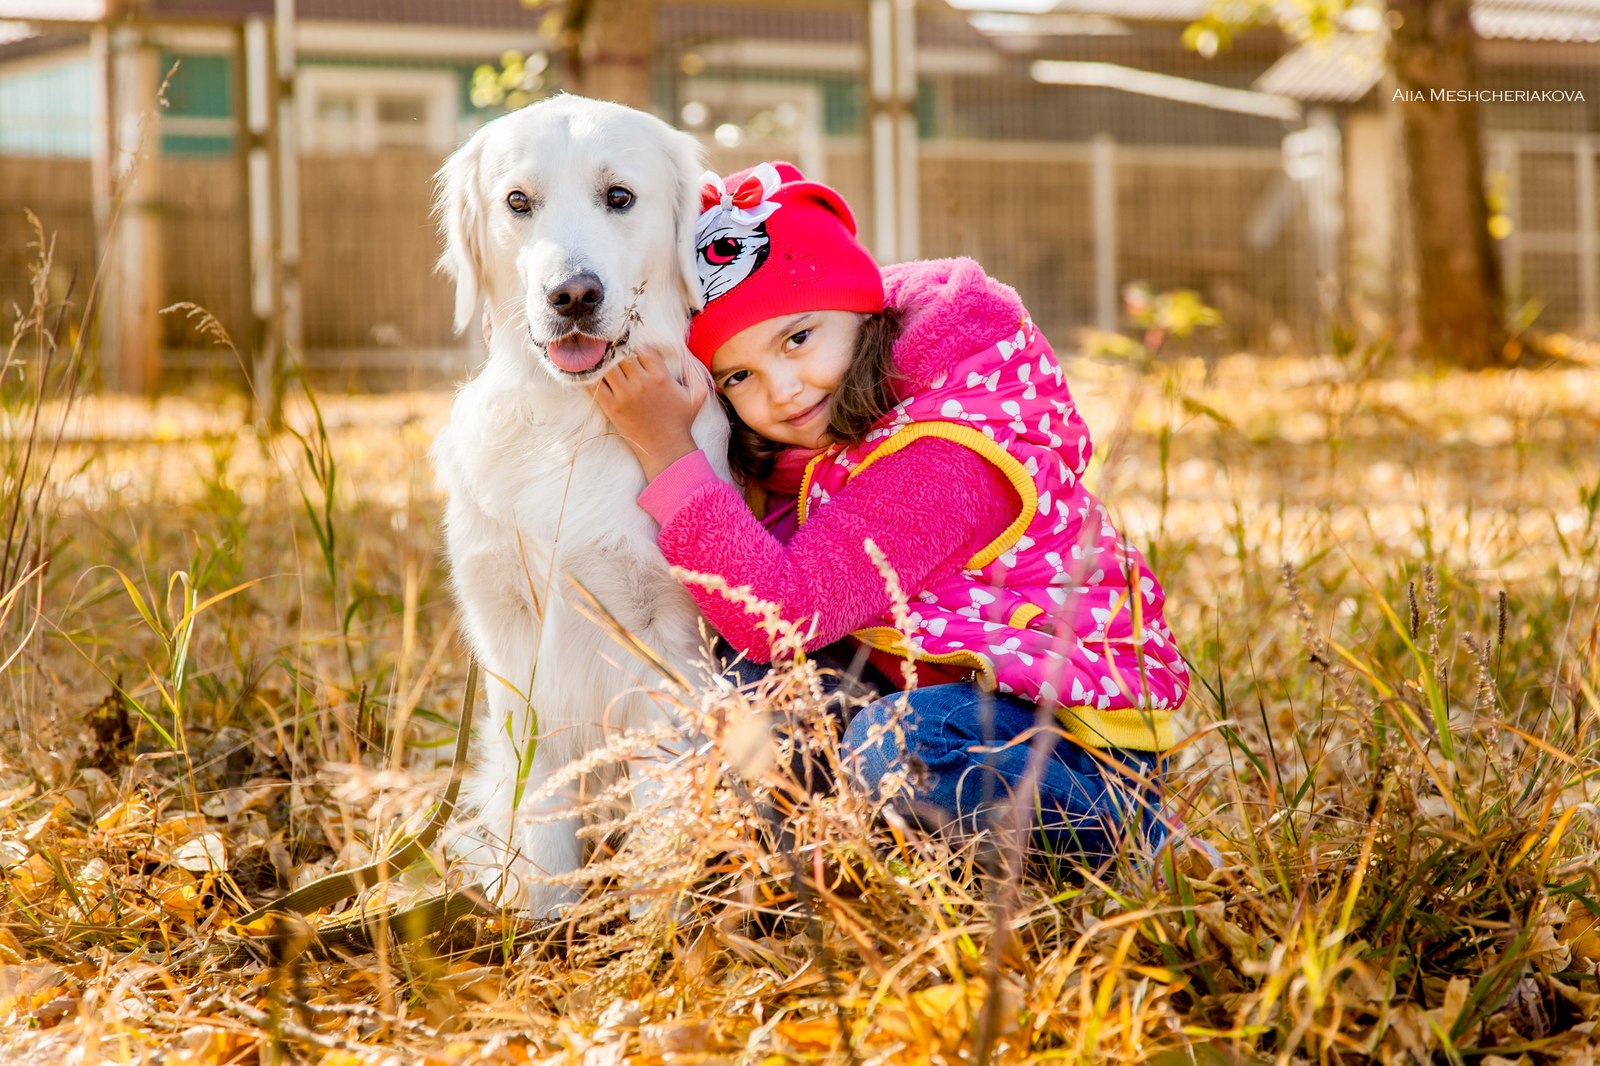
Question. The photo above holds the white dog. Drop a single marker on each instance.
(575, 220)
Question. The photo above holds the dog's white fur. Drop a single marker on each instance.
(538, 484)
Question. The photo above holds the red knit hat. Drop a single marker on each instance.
(771, 243)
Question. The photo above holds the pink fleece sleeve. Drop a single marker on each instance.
(929, 507)
(670, 488)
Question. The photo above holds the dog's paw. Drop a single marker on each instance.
(537, 899)
(507, 880)
(519, 889)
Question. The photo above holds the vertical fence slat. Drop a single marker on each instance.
(1588, 235)
(1103, 193)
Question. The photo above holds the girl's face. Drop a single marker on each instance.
(780, 374)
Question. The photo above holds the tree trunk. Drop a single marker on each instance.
(605, 49)
(1458, 311)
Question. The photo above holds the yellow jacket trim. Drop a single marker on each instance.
(967, 437)
(891, 640)
(1024, 614)
(1133, 727)
(805, 482)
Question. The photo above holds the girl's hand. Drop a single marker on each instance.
(651, 409)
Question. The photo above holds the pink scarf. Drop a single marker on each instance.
(783, 492)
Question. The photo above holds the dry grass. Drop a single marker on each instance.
(239, 670)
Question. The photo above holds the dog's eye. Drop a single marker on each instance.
(518, 201)
(619, 198)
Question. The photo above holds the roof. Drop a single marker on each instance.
(1128, 10)
(62, 10)
(1518, 20)
(817, 23)
(507, 14)
(1340, 70)
(30, 27)
(1538, 20)
(1136, 10)
(1344, 68)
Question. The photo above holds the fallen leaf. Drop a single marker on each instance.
(205, 853)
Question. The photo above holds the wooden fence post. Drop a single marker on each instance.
(260, 197)
(892, 128)
(291, 348)
(130, 331)
(1588, 235)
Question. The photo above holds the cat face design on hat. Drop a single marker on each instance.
(730, 238)
(726, 254)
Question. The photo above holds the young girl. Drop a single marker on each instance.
(918, 407)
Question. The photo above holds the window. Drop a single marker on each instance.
(758, 120)
(352, 111)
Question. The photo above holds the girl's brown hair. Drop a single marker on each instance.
(865, 394)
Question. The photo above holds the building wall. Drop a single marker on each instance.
(47, 105)
(1004, 161)
(1544, 167)
(1372, 193)
(368, 235)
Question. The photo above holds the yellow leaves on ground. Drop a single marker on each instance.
(136, 869)
(34, 994)
(941, 1020)
(935, 1024)
(1580, 932)
(1277, 954)
(204, 852)
(457, 1051)
(33, 879)
(180, 901)
(485, 984)
(209, 1045)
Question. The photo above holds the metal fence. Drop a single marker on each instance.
(1069, 190)
(371, 297)
(1551, 257)
(1069, 193)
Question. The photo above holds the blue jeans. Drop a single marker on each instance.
(966, 752)
(845, 673)
(970, 749)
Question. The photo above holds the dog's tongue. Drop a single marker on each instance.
(576, 352)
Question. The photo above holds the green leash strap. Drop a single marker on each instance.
(437, 911)
(362, 932)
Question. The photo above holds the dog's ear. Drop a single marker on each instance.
(687, 160)
(456, 204)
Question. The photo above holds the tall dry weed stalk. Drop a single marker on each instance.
(40, 384)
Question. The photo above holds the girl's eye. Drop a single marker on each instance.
(518, 201)
(619, 198)
(734, 378)
(797, 339)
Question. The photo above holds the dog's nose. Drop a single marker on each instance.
(578, 295)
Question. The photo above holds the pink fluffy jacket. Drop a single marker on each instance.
(929, 507)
